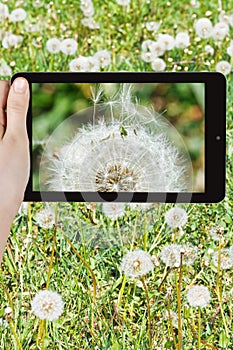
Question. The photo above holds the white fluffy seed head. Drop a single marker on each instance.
(223, 67)
(226, 259)
(47, 305)
(11, 40)
(198, 296)
(230, 49)
(137, 263)
(123, 2)
(182, 40)
(4, 12)
(87, 8)
(170, 255)
(68, 46)
(45, 218)
(176, 217)
(90, 23)
(209, 50)
(204, 28)
(18, 15)
(167, 41)
(5, 70)
(104, 58)
(220, 31)
(173, 316)
(152, 26)
(158, 64)
(113, 210)
(53, 45)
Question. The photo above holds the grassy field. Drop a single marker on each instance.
(80, 256)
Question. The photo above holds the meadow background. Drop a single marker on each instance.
(80, 256)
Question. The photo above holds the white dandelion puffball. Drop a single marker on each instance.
(189, 254)
(87, 8)
(220, 31)
(223, 67)
(182, 40)
(11, 40)
(104, 58)
(204, 28)
(167, 41)
(137, 263)
(5, 70)
(198, 296)
(79, 64)
(209, 50)
(174, 317)
(226, 259)
(157, 49)
(90, 23)
(113, 210)
(170, 255)
(123, 2)
(230, 49)
(4, 12)
(18, 15)
(176, 217)
(68, 46)
(146, 56)
(126, 148)
(47, 305)
(158, 64)
(53, 45)
(45, 218)
(152, 26)
(147, 45)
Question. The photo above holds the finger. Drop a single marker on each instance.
(17, 106)
(4, 89)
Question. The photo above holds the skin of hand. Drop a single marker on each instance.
(14, 152)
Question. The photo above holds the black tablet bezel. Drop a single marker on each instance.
(215, 135)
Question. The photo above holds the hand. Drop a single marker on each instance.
(14, 146)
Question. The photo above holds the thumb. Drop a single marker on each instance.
(17, 106)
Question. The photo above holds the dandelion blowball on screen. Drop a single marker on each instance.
(125, 147)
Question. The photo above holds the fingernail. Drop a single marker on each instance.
(20, 85)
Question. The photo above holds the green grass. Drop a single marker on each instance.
(88, 323)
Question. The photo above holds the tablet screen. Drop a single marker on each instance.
(118, 137)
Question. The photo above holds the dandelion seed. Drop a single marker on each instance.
(198, 296)
(167, 41)
(45, 218)
(68, 46)
(152, 26)
(113, 210)
(47, 305)
(90, 23)
(158, 64)
(223, 67)
(18, 15)
(5, 70)
(137, 263)
(182, 40)
(174, 317)
(123, 2)
(209, 50)
(104, 58)
(204, 28)
(53, 45)
(220, 31)
(4, 12)
(226, 259)
(176, 217)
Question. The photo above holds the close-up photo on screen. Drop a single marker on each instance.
(118, 137)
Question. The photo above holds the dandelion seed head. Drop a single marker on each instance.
(123, 2)
(79, 64)
(209, 50)
(167, 41)
(223, 67)
(87, 8)
(189, 254)
(146, 56)
(47, 305)
(53, 45)
(45, 218)
(68, 46)
(137, 263)
(182, 40)
(4, 12)
(11, 40)
(152, 26)
(17, 15)
(5, 70)
(147, 44)
(170, 255)
(174, 317)
(176, 217)
(204, 28)
(220, 31)
(198, 296)
(113, 210)
(226, 259)
(104, 58)
(158, 64)
(90, 23)
(230, 49)
(157, 49)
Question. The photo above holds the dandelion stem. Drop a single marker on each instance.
(148, 311)
(178, 289)
(13, 328)
(53, 247)
(199, 328)
(121, 292)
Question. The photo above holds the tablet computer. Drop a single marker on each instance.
(126, 137)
